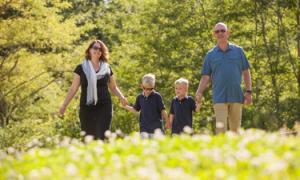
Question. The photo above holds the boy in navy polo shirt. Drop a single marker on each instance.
(182, 107)
(151, 107)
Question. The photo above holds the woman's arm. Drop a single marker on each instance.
(116, 91)
(72, 91)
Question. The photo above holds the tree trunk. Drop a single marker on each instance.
(3, 111)
(298, 44)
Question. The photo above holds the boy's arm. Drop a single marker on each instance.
(171, 118)
(130, 108)
(135, 108)
(165, 117)
(198, 106)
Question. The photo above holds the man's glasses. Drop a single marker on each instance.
(96, 48)
(221, 30)
(148, 89)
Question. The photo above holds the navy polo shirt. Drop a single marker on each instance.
(183, 113)
(225, 69)
(150, 111)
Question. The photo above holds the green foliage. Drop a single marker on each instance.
(42, 42)
(252, 155)
(19, 135)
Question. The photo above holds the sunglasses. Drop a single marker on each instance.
(222, 30)
(96, 48)
(148, 89)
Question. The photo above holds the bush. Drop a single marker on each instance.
(20, 135)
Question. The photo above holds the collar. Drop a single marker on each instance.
(183, 99)
(229, 47)
(149, 94)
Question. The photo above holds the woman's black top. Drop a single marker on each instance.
(95, 119)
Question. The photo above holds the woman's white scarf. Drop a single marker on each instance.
(92, 78)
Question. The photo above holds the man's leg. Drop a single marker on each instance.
(221, 113)
(235, 116)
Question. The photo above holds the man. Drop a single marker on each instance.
(225, 64)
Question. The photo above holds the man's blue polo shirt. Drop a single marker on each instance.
(225, 69)
(150, 115)
(183, 113)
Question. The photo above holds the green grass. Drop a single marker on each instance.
(252, 155)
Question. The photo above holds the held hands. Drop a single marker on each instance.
(168, 125)
(198, 106)
(198, 101)
(123, 101)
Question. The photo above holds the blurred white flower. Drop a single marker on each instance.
(48, 139)
(220, 125)
(98, 149)
(88, 139)
(71, 169)
(243, 154)
(94, 174)
(230, 161)
(65, 142)
(35, 141)
(75, 141)
(176, 173)
(189, 155)
(158, 134)
(276, 166)
(132, 159)
(204, 138)
(82, 133)
(147, 173)
(288, 156)
(45, 152)
(107, 134)
(220, 173)
(214, 154)
(113, 136)
(187, 130)
(46, 171)
(11, 150)
(34, 174)
(119, 132)
(231, 134)
(144, 135)
(88, 158)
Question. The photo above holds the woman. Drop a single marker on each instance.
(94, 76)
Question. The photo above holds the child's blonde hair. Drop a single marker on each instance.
(149, 80)
(182, 81)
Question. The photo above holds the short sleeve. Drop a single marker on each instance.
(111, 72)
(78, 70)
(192, 104)
(172, 107)
(137, 105)
(206, 68)
(160, 103)
(245, 62)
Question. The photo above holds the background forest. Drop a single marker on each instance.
(42, 41)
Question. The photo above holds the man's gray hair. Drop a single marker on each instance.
(221, 23)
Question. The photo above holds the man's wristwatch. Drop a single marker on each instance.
(249, 91)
